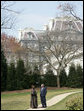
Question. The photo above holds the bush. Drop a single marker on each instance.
(11, 77)
(75, 103)
(63, 78)
(79, 79)
(4, 68)
(35, 76)
(75, 76)
(50, 79)
(20, 71)
(26, 81)
(71, 82)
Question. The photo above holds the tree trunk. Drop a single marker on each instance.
(58, 81)
(58, 78)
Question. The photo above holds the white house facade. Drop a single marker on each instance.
(30, 38)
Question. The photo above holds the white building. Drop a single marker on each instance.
(30, 38)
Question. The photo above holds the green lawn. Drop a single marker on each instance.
(21, 101)
(62, 104)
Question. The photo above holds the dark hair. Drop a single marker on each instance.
(33, 86)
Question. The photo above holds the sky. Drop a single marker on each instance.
(36, 14)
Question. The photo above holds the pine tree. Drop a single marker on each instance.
(49, 78)
(79, 78)
(26, 81)
(3, 71)
(27, 76)
(63, 78)
(11, 77)
(35, 77)
(72, 76)
(20, 70)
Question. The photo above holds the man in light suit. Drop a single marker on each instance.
(43, 92)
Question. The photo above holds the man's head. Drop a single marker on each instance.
(42, 85)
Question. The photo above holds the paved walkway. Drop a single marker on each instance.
(54, 100)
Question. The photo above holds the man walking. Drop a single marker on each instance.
(43, 96)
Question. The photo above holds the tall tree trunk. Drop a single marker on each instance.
(58, 81)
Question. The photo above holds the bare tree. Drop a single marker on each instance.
(60, 48)
(63, 47)
(69, 9)
(8, 16)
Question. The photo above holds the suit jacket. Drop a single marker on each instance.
(43, 91)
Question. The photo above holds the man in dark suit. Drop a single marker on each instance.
(43, 92)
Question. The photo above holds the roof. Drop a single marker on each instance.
(65, 23)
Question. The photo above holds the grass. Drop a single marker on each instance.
(21, 101)
(62, 104)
